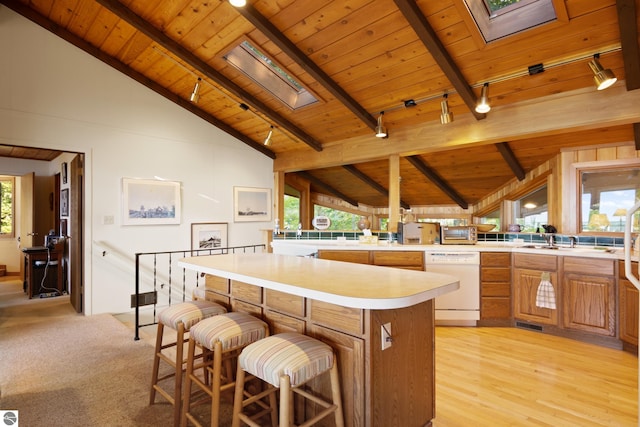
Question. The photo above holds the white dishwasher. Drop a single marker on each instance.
(460, 307)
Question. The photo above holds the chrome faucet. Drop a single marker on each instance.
(572, 241)
(549, 238)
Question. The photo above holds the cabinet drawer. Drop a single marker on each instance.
(360, 257)
(245, 307)
(495, 259)
(535, 262)
(621, 267)
(344, 319)
(246, 292)
(216, 283)
(495, 274)
(600, 267)
(399, 258)
(284, 303)
(495, 308)
(279, 323)
(496, 289)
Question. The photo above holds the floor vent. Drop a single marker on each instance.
(528, 326)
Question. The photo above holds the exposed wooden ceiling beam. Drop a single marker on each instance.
(373, 184)
(427, 35)
(269, 30)
(45, 23)
(636, 134)
(510, 158)
(628, 23)
(127, 15)
(417, 162)
(312, 179)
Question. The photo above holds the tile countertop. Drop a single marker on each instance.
(309, 247)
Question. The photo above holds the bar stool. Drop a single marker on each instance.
(224, 335)
(180, 318)
(286, 361)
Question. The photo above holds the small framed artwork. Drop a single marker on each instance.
(150, 202)
(251, 204)
(63, 172)
(64, 202)
(209, 235)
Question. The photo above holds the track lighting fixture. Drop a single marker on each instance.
(483, 103)
(238, 3)
(603, 78)
(381, 131)
(446, 116)
(195, 95)
(267, 140)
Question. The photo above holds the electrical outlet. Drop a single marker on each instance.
(385, 335)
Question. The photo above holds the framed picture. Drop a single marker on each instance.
(209, 235)
(64, 202)
(63, 172)
(251, 204)
(150, 202)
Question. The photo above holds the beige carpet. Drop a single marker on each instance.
(59, 368)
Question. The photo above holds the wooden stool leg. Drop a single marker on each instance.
(156, 363)
(286, 401)
(238, 397)
(273, 404)
(336, 395)
(177, 388)
(215, 384)
(186, 394)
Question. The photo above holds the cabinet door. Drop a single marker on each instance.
(525, 290)
(589, 303)
(628, 312)
(359, 257)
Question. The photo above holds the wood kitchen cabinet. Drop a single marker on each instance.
(527, 272)
(589, 295)
(628, 309)
(495, 288)
(410, 260)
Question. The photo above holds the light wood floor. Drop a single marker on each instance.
(484, 376)
(514, 377)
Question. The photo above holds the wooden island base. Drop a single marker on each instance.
(391, 387)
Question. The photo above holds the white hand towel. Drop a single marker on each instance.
(546, 296)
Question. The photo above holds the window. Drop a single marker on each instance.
(531, 211)
(6, 208)
(340, 220)
(268, 74)
(291, 212)
(500, 18)
(492, 218)
(605, 197)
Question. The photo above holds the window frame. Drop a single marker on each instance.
(12, 180)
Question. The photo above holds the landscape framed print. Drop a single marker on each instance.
(251, 204)
(209, 235)
(150, 202)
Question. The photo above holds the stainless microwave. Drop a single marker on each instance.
(458, 235)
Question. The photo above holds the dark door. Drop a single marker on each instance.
(76, 203)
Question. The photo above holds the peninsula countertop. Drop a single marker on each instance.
(341, 283)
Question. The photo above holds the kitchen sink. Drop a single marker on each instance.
(570, 249)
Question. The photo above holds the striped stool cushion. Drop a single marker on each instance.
(233, 330)
(189, 313)
(298, 356)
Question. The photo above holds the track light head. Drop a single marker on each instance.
(381, 131)
(602, 78)
(483, 103)
(267, 140)
(238, 3)
(446, 116)
(195, 95)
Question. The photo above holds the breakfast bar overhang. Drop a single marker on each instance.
(348, 306)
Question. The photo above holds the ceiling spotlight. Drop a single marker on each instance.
(267, 140)
(603, 78)
(195, 95)
(238, 3)
(446, 116)
(483, 103)
(381, 131)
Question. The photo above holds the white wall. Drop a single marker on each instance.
(52, 95)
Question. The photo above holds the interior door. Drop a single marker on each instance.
(27, 225)
(76, 203)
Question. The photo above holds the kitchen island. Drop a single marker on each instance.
(350, 307)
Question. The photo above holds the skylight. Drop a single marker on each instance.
(500, 18)
(268, 74)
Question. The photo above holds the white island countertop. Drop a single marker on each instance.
(341, 283)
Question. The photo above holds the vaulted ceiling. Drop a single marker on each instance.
(360, 58)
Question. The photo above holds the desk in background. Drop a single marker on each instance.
(35, 267)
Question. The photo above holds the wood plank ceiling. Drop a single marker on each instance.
(360, 58)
